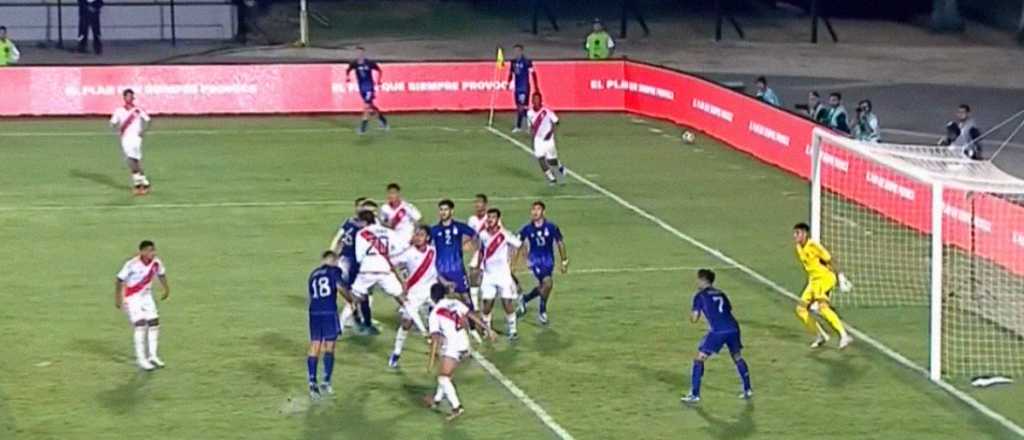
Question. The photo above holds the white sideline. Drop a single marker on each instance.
(962, 396)
(283, 203)
(214, 131)
(519, 394)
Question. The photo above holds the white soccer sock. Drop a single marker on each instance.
(474, 295)
(549, 174)
(416, 319)
(346, 316)
(140, 344)
(487, 319)
(510, 318)
(154, 336)
(145, 181)
(439, 394)
(400, 339)
(449, 390)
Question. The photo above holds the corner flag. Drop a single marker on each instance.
(501, 58)
(499, 63)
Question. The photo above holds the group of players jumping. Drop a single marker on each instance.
(422, 268)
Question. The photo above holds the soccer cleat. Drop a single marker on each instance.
(314, 392)
(157, 362)
(513, 337)
(542, 318)
(820, 340)
(845, 341)
(384, 126)
(368, 330)
(456, 412)
(146, 365)
(516, 129)
(747, 394)
(521, 309)
(430, 403)
(393, 360)
(690, 399)
(326, 389)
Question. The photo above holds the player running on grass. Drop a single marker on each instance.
(451, 237)
(821, 279)
(519, 76)
(723, 330)
(541, 236)
(419, 261)
(543, 122)
(364, 77)
(324, 328)
(497, 245)
(448, 321)
(131, 123)
(133, 293)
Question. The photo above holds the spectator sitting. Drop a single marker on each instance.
(866, 129)
(962, 135)
(766, 94)
(599, 45)
(8, 51)
(836, 118)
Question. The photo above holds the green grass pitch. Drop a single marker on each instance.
(241, 208)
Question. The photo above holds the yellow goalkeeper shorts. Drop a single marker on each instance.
(818, 289)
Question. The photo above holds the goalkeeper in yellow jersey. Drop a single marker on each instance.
(821, 279)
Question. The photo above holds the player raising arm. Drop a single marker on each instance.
(344, 244)
(131, 122)
(543, 122)
(364, 77)
(541, 236)
(400, 215)
(324, 328)
(722, 330)
(821, 279)
(448, 321)
(519, 75)
(497, 245)
(133, 293)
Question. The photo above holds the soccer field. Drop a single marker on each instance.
(242, 207)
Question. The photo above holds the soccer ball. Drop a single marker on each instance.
(689, 137)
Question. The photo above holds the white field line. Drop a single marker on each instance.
(272, 204)
(607, 270)
(892, 354)
(217, 131)
(519, 394)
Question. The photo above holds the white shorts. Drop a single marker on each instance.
(417, 302)
(456, 347)
(132, 147)
(545, 149)
(498, 285)
(387, 282)
(140, 307)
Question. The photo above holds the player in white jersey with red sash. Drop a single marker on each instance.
(448, 324)
(477, 221)
(543, 122)
(375, 246)
(419, 261)
(497, 245)
(131, 123)
(133, 293)
(400, 215)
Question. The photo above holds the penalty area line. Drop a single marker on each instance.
(892, 354)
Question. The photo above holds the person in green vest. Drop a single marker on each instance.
(599, 44)
(8, 51)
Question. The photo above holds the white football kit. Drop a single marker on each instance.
(138, 277)
(403, 218)
(375, 244)
(478, 223)
(448, 319)
(129, 120)
(422, 268)
(496, 248)
(542, 126)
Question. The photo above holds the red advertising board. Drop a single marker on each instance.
(767, 133)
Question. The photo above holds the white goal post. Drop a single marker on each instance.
(920, 228)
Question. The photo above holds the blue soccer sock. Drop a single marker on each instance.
(695, 377)
(362, 125)
(328, 366)
(744, 372)
(543, 305)
(365, 312)
(531, 296)
(380, 116)
(311, 362)
(520, 117)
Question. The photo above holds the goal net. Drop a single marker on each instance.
(927, 237)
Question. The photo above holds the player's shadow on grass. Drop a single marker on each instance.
(548, 342)
(506, 169)
(102, 349)
(719, 428)
(275, 341)
(784, 332)
(673, 380)
(273, 375)
(123, 398)
(97, 178)
(841, 369)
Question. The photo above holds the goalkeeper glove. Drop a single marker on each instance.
(844, 283)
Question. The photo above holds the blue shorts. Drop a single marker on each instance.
(367, 95)
(457, 278)
(522, 96)
(349, 270)
(324, 327)
(542, 269)
(713, 342)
